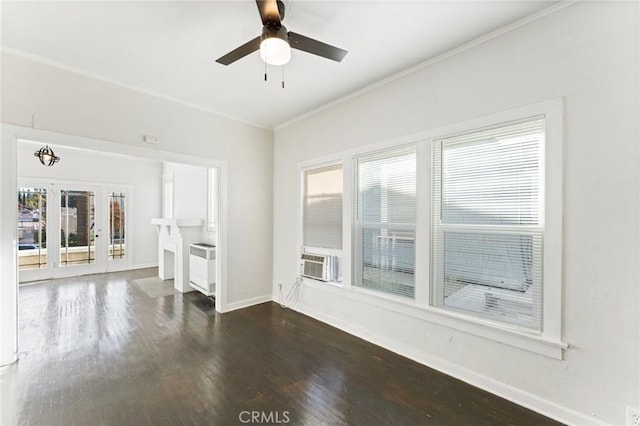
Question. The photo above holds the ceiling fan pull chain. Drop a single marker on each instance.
(283, 76)
(265, 71)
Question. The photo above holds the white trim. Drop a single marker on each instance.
(85, 73)
(423, 225)
(144, 265)
(439, 58)
(212, 197)
(27, 134)
(248, 302)
(540, 405)
(221, 239)
(8, 248)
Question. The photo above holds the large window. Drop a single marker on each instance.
(487, 223)
(384, 234)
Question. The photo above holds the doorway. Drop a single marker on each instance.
(21, 141)
(68, 229)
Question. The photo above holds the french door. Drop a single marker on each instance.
(78, 248)
(60, 229)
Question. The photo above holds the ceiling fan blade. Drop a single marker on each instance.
(269, 12)
(316, 47)
(240, 52)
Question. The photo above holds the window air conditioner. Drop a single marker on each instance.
(318, 266)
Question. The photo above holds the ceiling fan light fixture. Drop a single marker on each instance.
(275, 42)
(274, 47)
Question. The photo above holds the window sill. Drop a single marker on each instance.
(502, 333)
(320, 283)
(515, 336)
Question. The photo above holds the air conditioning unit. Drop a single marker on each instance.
(321, 267)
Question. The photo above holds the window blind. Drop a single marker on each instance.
(385, 221)
(322, 211)
(487, 232)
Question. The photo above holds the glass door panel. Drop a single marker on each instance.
(117, 211)
(77, 223)
(32, 228)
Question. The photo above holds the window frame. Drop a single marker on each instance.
(300, 190)
(305, 197)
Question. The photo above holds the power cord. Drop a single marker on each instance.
(292, 295)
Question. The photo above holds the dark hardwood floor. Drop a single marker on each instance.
(97, 350)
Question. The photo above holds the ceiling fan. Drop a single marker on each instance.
(276, 42)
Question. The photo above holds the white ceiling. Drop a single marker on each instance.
(169, 48)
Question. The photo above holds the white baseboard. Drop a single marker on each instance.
(144, 265)
(503, 390)
(247, 302)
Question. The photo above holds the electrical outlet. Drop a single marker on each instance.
(633, 417)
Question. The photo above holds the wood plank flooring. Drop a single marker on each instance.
(97, 350)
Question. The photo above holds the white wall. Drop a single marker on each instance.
(69, 103)
(586, 54)
(8, 247)
(189, 190)
(143, 176)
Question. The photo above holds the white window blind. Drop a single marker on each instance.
(385, 221)
(322, 211)
(487, 229)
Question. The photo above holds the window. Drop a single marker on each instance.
(117, 209)
(322, 211)
(464, 231)
(487, 223)
(322, 223)
(77, 227)
(167, 195)
(384, 232)
(212, 199)
(32, 228)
